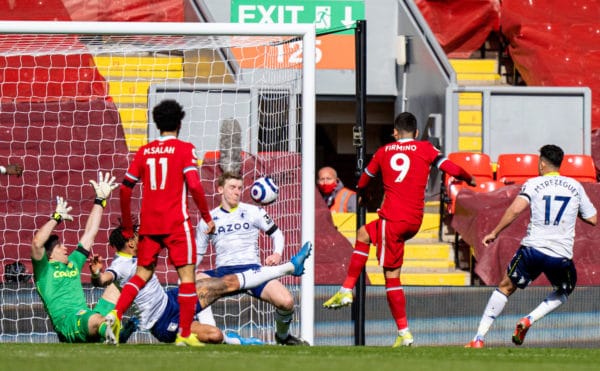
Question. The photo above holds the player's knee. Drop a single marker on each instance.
(285, 303)
(362, 235)
(210, 335)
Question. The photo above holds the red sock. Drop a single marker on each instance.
(187, 299)
(396, 301)
(129, 292)
(359, 258)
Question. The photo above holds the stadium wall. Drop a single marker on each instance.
(438, 316)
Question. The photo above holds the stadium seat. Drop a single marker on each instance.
(516, 168)
(580, 167)
(477, 164)
(488, 186)
(212, 156)
(482, 187)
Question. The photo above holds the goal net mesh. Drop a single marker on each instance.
(72, 105)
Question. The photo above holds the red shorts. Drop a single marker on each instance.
(180, 245)
(389, 237)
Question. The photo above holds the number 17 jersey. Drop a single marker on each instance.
(555, 203)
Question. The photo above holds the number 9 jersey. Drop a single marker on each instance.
(404, 167)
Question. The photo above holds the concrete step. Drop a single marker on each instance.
(482, 66)
(139, 63)
(458, 278)
(346, 222)
(469, 144)
(476, 71)
(440, 251)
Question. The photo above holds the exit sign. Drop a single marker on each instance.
(326, 15)
(333, 51)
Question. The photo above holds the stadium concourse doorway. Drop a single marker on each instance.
(334, 140)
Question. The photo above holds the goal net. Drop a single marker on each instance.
(76, 99)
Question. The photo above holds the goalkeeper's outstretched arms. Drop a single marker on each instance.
(102, 188)
(41, 236)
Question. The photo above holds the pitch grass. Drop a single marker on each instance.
(90, 357)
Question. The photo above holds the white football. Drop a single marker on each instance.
(264, 191)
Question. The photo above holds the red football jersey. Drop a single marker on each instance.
(161, 166)
(404, 167)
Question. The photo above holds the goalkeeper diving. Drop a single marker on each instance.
(57, 274)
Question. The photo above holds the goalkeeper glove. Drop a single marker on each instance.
(105, 185)
(62, 210)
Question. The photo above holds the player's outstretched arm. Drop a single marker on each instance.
(41, 236)
(103, 188)
(99, 278)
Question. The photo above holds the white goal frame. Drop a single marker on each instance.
(304, 31)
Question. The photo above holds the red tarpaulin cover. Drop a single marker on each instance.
(462, 26)
(93, 10)
(555, 43)
(478, 213)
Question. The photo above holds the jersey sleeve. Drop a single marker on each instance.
(586, 208)
(134, 172)
(39, 266)
(202, 239)
(263, 221)
(78, 258)
(370, 171)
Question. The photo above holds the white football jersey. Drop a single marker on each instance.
(235, 240)
(555, 201)
(151, 301)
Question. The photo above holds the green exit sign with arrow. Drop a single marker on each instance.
(327, 15)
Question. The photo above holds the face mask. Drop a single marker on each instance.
(327, 188)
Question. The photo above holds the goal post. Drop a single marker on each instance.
(76, 98)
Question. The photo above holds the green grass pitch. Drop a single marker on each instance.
(90, 357)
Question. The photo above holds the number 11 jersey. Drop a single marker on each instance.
(161, 166)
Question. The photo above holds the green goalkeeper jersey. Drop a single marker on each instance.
(60, 287)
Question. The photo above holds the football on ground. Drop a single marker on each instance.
(264, 191)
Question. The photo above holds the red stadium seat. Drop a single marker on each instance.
(488, 186)
(477, 164)
(482, 187)
(516, 168)
(579, 167)
(212, 156)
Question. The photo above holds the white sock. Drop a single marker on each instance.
(206, 317)
(403, 331)
(345, 290)
(492, 310)
(255, 277)
(552, 301)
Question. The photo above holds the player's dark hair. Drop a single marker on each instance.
(168, 115)
(553, 154)
(116, 238)
(406, 122)
(50, 244)
(226, 176)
